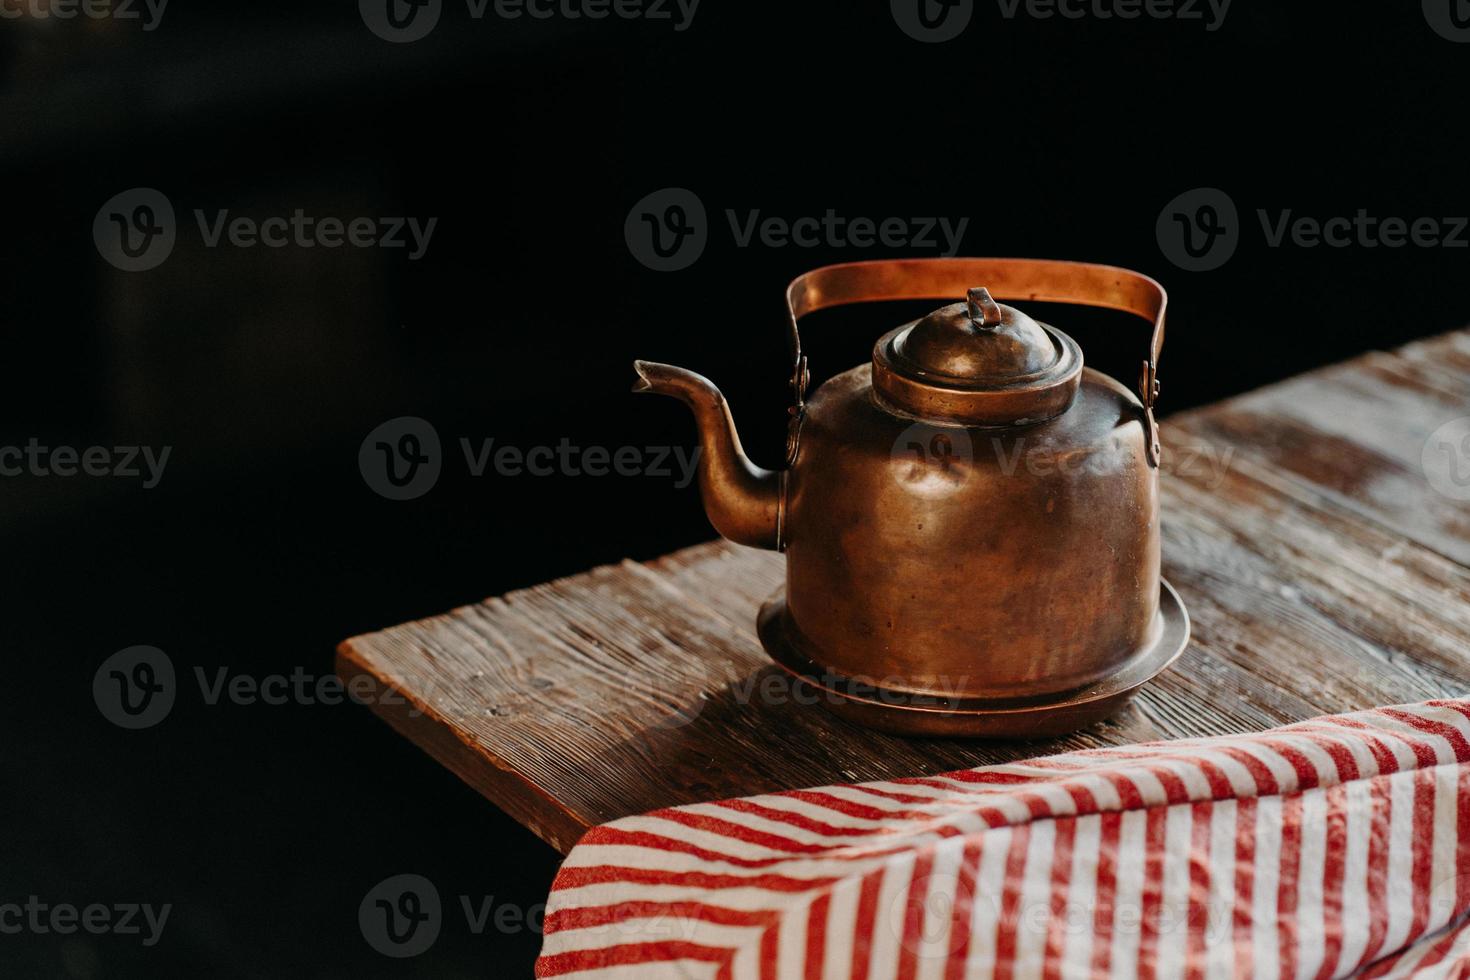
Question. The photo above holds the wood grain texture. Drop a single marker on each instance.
(1321, 570)
(1356, 434)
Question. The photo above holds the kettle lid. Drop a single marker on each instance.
(977, 363)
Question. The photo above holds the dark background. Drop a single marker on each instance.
(264, 369)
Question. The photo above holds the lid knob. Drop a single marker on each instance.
(984, 312)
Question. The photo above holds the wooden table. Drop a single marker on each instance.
(1322, 570)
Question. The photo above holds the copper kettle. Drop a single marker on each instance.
(970, 521)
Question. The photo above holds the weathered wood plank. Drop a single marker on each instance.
(1313, 605)
(1357, 433)
(630, 687)
(1448, 352)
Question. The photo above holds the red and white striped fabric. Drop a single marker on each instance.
(1334, 847)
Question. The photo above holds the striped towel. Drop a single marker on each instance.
(1329, 848)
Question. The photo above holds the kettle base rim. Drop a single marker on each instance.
(896, 713)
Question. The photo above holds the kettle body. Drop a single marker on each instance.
(971, 520)
(972, 562)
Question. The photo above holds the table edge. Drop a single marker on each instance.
(418, 722)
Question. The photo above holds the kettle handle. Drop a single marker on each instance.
(1041, 280)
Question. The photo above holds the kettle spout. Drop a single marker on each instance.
(742, 500)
